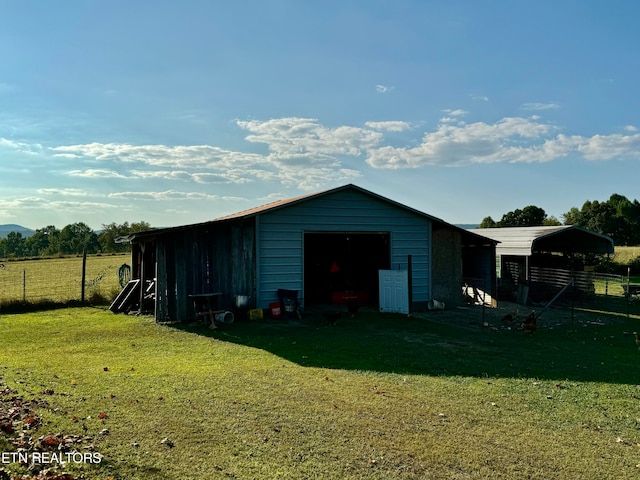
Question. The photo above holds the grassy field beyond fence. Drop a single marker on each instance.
(625, 255)
(60, 279)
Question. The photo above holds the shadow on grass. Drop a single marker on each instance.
(449, 343)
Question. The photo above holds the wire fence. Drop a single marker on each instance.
(62, 280)
(544, 284)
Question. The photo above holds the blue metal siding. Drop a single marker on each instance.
(281, 239)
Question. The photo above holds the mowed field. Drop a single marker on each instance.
(624, 255)
(454, 394)
(60, 279)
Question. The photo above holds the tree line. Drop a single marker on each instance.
(73, 239)
(618, 217)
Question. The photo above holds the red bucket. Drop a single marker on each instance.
(275, 309)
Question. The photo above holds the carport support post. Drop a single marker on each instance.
(142, 275)
(410, 282)
(628, 295)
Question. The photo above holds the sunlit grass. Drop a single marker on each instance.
(624, 255)
(377, 396)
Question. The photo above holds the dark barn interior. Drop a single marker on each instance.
(338, 262)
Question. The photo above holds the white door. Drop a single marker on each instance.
(394, 291)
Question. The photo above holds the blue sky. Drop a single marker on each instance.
(176, 112)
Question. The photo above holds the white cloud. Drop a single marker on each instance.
(305, 154)
(482, 98)
(540, 106)
(273, 197)
(69, 192)
(389, 126)
(181, 156)
(453, 145)
(80, 206)
(299, 136)
(455, 113)
(607, 147)
(510, 140)
(381, 88)
(162, 174)
(27, 148)
(631, 128)
(166, 195)
(95, 173)
(38, 203)
(22, 202)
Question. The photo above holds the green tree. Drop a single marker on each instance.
(15, 245)
(529, 216)
(551, 222)
(572, 217)
(110, 234)
(45, 241)
(77, 237)
(618, 218)
(488, 222)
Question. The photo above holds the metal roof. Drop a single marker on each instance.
(554, 239)
(479, 238)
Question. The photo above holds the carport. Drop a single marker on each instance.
(545, 256)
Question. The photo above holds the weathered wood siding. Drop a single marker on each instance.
(447, 266)
(216, 258)
(280, 239)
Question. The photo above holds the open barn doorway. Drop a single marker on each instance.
(339, 262)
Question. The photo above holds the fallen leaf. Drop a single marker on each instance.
(6, 427)
(50, 441)
(167, 442)
(102, 415)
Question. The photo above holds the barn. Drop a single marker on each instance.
(545, 258)
(317, 245)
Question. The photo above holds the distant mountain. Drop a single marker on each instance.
(468, 226)
(10, 227)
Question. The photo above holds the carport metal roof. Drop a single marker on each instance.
(557, 239)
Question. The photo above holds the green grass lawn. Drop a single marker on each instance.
(377, 396)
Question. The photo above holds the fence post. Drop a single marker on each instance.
(24, 286)
(84, 274)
